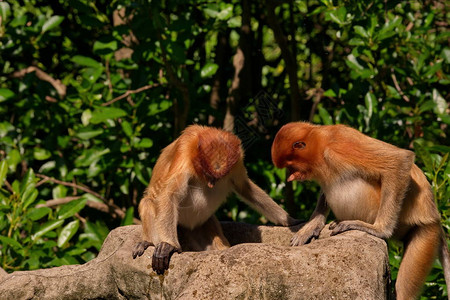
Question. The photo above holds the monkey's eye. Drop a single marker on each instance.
(298, 145)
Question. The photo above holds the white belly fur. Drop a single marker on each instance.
(201, 203)
(353, 199)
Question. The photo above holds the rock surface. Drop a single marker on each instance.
(352, 265)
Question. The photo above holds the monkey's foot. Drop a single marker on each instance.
(161, 257)
(307, 234)
(343, 226)
(140, 248)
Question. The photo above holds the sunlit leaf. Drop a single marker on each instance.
(209, 70)
(71, 208)
(38, 213)
(5, 94)
(67, 233)
(49, 226)
(3, 171)
(51, 23)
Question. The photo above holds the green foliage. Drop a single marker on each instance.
(90, 102)
(33, 236)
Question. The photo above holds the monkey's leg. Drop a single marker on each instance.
(208, 236)
(147, 217)
(312, 229)
(421, 246)
(213, 229)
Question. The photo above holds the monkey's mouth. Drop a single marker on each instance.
(296, 175)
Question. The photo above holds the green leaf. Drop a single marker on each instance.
(28, 198)
(27, 181)
(5, 94)
(325, 116)
(86, 61)
(329, 93)
(38, 213)
(49, 226)
(90, 156)
(67, 233)
(51, 23)
(353, 63)
(361, 31)
(440, 103)
(126, 126)
(5, 11)
(101, 114)
(424, 155)
(128, 220)
(10, 242)
(71, 208)
(3, 171)
(446, 55)
(105, 48)
(145, 143)
(88, 133)
(209, 70)
(41, 154)
(86, 117)
(13, 158)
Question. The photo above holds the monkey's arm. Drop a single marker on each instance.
(312, 229)
(261, 202)
(393, 168)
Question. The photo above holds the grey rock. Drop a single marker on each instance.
(259, 265)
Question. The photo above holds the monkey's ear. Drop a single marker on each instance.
(298, 145)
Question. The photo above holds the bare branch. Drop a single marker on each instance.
(85, 189)
(56, 83)
(397, 86)
(130, 92)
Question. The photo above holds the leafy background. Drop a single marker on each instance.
(91, 91)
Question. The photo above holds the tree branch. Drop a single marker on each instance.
(130, 92)
(288, 57)
(56, 83)
(85, 189)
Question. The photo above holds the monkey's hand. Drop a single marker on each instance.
(140, 248)
(309, 232)
(161, 257)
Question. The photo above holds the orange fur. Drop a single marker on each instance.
(369, 185)
(191, 179)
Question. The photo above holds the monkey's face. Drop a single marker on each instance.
(293, 148)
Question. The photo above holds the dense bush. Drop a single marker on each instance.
(91, 91)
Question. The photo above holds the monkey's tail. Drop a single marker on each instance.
(444, 257)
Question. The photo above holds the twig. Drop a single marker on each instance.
(109, 208)
(58, 201)
(92, 204)
(56, 83)
(130, 92)
(8, 186)
(397, 86)
(85, 189)
(108, 76)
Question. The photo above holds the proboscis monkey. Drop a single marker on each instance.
(191, 179)
(370, 186)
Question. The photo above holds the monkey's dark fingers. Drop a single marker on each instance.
(300, 239)
(341, 227)
(161, 257)
(140, 248)
(306, 235)
(333, 224)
